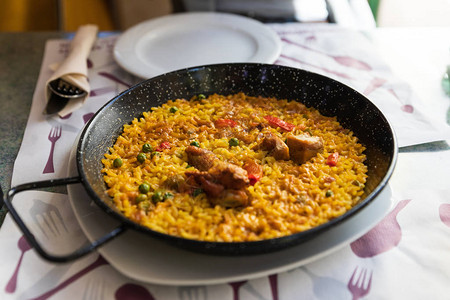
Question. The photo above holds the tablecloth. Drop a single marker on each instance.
(405, 256)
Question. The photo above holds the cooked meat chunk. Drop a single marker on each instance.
(229, 175)
(201, 159)
(216, 192)
(221, 181)
(275, 146)
(210, 188)
(207, 183)
(231, 198)
(303, 147)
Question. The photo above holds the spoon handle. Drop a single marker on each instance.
(12, 283)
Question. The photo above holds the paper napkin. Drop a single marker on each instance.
(74, 68)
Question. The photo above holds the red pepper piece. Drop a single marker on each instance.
(254, 178)
(254, 170)
(276, 122)
(332, 159)
(162, 146)
(221, 123)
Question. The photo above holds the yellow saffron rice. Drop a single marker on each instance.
(289, 198)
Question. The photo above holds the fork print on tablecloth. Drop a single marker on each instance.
(385, 236)
(361, 286)
(236, 285)
(192, 293)
(325, 287)
(53, 137)
(44, 214)
(273, 280)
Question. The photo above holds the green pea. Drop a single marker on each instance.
(173, 109)
(144, 188)
(233, 142)
(195, 143)
(201, 97)
(144, 205)
(197, 192)
(141, 157)
(157, 196)
(141, 197)
(167, 195)
(147, 148)
(117, 163)
(329, 193)
(155, 153)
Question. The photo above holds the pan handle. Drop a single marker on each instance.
(30, 237)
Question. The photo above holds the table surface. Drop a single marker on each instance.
(20, 62)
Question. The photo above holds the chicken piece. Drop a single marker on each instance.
(201, 159)
(229, 175)
(303, 147)
(275, 146)
(226, 174)
(207, 183)
(231, 198)
(216, 192)
(221, 181)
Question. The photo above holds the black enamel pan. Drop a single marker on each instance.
(330, 97)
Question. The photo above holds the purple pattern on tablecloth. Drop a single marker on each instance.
(383, 237)
(131, 291)
(23, 246)
(444, 213)
(359, 285)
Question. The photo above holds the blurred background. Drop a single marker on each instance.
(111, 15)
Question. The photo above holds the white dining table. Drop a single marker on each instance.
(401, 250)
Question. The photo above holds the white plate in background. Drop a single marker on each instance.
(185, 40)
